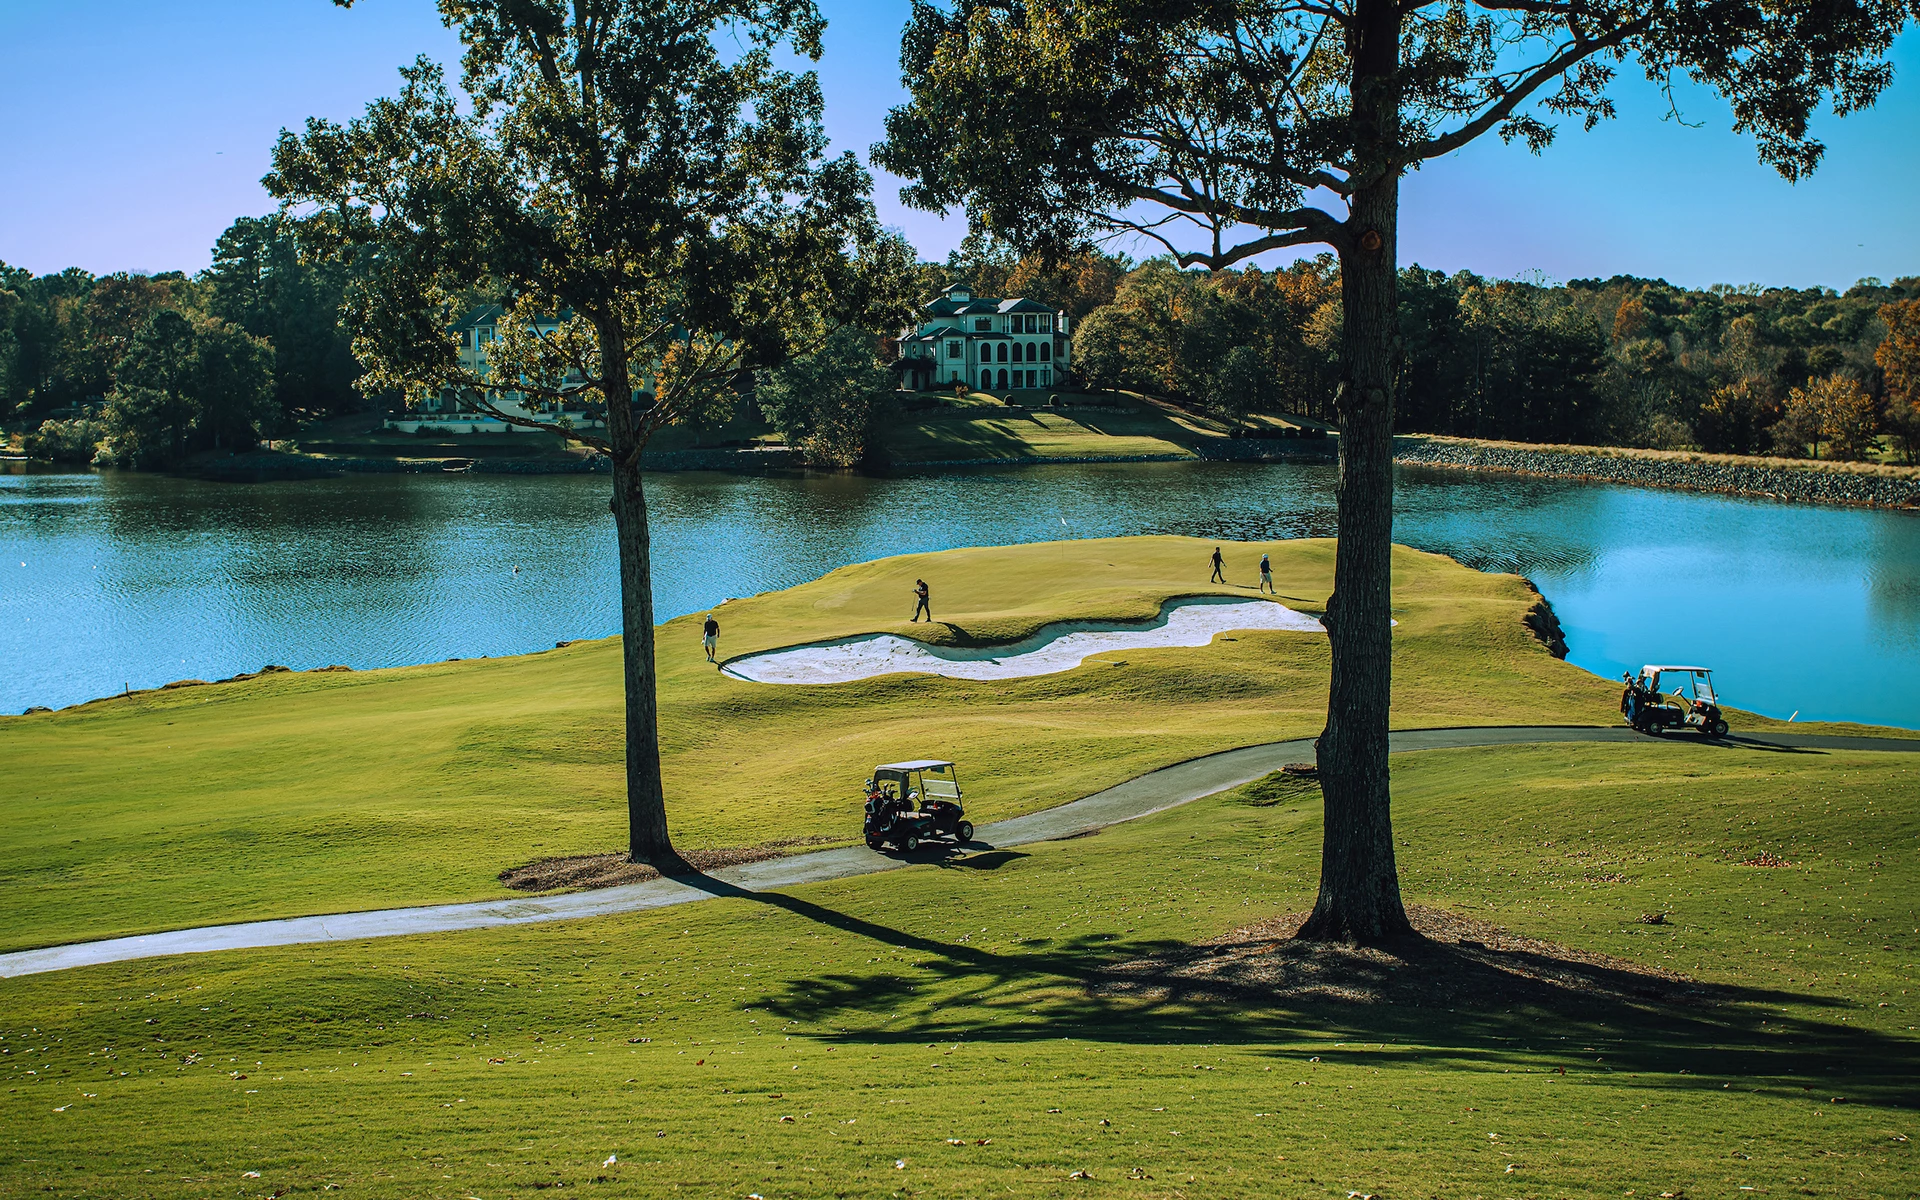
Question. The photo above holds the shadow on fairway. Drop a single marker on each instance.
(1496, 1003)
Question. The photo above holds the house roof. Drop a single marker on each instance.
(485, 314)
(946, 306)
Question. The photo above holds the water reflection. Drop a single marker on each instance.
(138, 579)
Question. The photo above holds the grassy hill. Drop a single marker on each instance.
(940, 427)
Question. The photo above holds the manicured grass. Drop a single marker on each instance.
(312, 793)
(889, 1014)
(984, 428)
(323, 792)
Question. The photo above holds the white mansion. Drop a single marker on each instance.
(990, 345)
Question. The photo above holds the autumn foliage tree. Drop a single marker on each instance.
(1899, 360)
(1224, 129)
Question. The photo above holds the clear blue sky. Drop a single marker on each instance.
(135, 132)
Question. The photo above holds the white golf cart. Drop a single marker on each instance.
(1668, 697)
(909, 802)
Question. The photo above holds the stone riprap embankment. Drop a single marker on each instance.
(1801, 484)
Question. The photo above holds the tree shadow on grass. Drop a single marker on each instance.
(1466, 994)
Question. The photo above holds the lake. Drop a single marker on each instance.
(111, 580)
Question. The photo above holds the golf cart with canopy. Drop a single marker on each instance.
(1662, 698)
(911, 802)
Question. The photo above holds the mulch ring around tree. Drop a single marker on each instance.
(1456, 962)
(611, 870)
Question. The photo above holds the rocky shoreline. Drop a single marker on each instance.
(1806, 485)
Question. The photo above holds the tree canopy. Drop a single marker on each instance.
(647, 192)
(1226, 128)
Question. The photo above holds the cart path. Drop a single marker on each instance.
(1156, 791)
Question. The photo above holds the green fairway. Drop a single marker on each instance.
(962, 1031)
(325, 792)
(306, 793)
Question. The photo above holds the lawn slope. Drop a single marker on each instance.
(953, 1031)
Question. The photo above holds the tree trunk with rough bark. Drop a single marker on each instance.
(646, 798)
(1359, 897)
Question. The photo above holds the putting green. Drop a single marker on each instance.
(313, 793)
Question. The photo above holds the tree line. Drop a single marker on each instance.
(147, 370)
(1621, 362)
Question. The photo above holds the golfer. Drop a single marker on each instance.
(710, 636)
(920, 600)
(1217, 562)
(1266, 575)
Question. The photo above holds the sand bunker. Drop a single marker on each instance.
(1058, 647)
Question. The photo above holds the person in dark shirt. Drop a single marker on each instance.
(1217, 562)
(710, 636)
(920, 600)
(1266, 574)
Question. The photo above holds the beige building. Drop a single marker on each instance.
(453, 411)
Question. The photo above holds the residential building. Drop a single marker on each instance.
(988, 345)
(452, 410)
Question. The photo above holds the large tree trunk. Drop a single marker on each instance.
(646, 799)
(1359, 884)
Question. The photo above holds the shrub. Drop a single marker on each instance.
(74, 441)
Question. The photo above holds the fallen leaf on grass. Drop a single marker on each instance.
(1079, 1175)
(1138, 1173)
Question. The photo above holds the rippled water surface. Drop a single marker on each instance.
(115, 580)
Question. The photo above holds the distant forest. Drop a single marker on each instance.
(1621, 361)
(148, 370)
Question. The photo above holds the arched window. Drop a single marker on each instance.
(1003, 354)
(1019, 352)
(986, 379)
(1003, 379)
(1046, 352)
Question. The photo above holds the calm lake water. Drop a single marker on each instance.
(110, 580)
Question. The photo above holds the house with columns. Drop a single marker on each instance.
(988, 345)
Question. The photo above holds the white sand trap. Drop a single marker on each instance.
(1058, 647)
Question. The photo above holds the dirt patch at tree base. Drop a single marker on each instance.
(1456, 962)
(585, 871)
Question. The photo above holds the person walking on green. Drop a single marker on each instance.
(1266, 575)
(920, 600)
(1217, 563)
(710, 636)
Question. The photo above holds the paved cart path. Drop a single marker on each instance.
(1153, 792)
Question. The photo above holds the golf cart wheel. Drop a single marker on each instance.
(910, 843)
(964, 830)
(1719, 729)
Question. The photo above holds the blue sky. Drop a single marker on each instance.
(136, 132)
